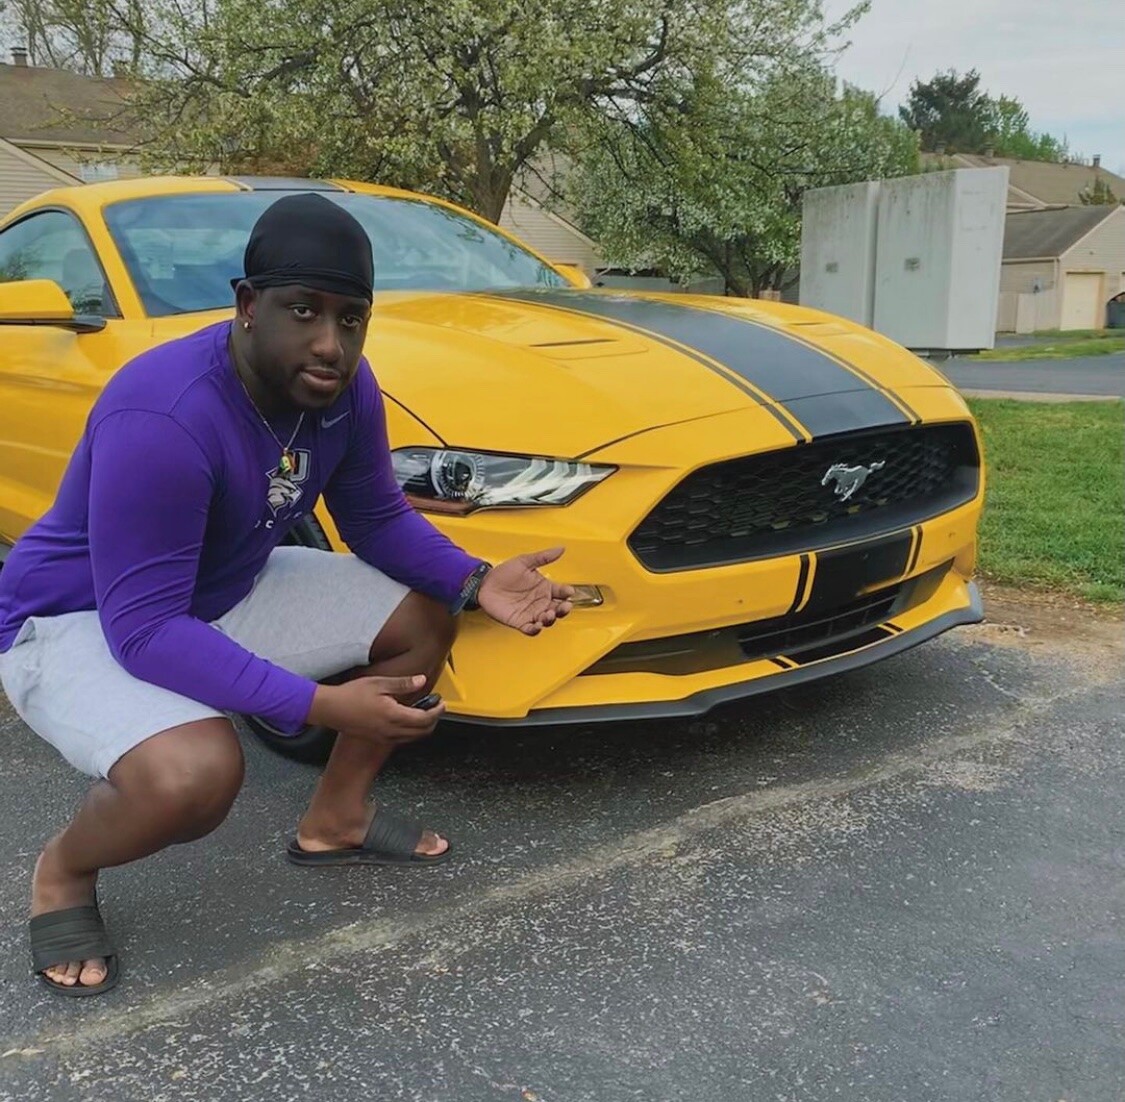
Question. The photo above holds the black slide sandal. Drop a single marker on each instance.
(76, 933)
(390, 840)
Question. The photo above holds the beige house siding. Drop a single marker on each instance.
(23, 176)
(1029, 296)
(1073, 290)
(1021, 275)
(1006, 306)
(549, 235)
(1101, 250)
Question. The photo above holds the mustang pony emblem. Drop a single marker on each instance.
(848, 479)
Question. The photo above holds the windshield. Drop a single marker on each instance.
(182, 251)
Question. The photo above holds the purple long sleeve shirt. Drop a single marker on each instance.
(168, 511)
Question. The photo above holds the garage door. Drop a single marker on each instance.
(1082, 301)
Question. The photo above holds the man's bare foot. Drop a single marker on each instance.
(314, 840)
(54, 889)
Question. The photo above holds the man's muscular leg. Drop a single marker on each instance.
(174, 787)
(416, 639)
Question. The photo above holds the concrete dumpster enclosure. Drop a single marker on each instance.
(916, 258)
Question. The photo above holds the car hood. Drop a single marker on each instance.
(563, 372)
(560, 372)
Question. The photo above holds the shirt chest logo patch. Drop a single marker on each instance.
(284, 490)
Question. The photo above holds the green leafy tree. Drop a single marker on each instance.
(456, 96)
(717, 187)
(1098, 194)
(1008, 133)
(949, 110)
(952, 112)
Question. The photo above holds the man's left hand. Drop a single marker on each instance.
(514, 593)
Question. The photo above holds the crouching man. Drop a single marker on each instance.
(152, 600)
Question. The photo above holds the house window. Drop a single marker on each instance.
(95, 171)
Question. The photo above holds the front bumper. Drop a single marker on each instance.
(654, 654)
(706, 699)
(567, 674)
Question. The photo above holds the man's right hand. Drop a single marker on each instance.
(367, 707)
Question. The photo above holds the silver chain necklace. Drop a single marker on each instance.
(286, 465)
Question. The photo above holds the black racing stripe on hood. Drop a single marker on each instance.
(818, 391)
(824, 414)
(799, 434)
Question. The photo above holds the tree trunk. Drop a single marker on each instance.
(488, 183)
(490, 198)
(734, 286)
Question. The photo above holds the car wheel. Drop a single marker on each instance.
(311, 744)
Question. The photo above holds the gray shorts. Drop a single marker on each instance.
(311, 612)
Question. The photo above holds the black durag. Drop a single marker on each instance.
(310, 240)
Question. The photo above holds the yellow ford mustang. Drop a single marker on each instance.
(751, 495)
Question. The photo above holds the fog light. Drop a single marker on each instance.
(586, 596)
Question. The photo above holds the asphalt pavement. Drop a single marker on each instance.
(1092, 376)
(904, 883)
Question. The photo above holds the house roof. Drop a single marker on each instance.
(1049, 233)
(53, 105)
(1033, 183)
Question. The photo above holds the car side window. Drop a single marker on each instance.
(53, 245)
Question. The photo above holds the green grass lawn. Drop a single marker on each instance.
(1075, 334)
(1059, 346)
(1055, 503)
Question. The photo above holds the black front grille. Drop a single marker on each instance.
(802, 637)
(775, 503)
(790, 635)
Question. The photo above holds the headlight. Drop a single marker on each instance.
(459, 481)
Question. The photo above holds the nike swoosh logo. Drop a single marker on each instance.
(326, 424)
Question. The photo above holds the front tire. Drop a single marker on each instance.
(311, 745)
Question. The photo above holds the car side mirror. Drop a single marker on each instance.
(43, 302)
(573, 273)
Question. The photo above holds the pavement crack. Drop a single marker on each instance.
(282, 960)
(990, 679)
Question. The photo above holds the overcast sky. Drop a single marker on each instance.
(1064, 59)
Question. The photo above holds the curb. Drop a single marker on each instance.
(1039, 396)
